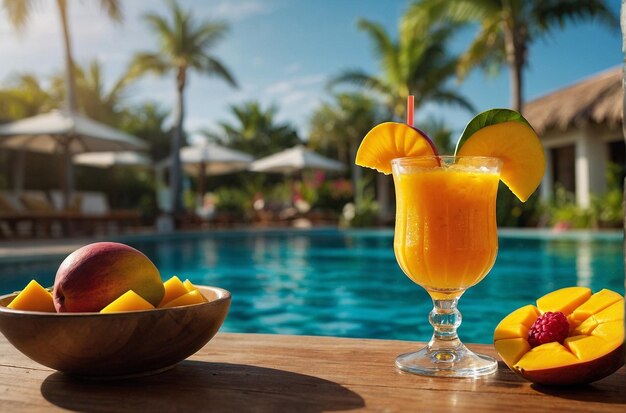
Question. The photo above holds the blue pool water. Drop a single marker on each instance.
(347, 283)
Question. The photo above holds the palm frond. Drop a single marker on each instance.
(452, 97)
(212, 66)
(385, 49)
(486, 51)
(425, 13)
(165, 33)
(113, 9)
(360, 79)
(18, 12)
(548, 14)
(208, 34)
(148, 62)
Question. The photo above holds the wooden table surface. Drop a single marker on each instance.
(278, 373)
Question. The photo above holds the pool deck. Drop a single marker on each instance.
(279, 373)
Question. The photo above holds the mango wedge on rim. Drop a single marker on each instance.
(505, 134)
(392, 140)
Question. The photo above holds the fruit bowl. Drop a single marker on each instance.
(115, 344)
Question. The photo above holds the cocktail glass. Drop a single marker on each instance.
(446, 241)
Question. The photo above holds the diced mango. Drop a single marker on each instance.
(591, 350)
(189, 286)
(586, 327)
(129, 301)
(598, 302)
(174, 288)
(512, 349)
(587, 347)
(192, 297)
(546, 356)
(33, 298)
(504, 331)
(525, 315)
(612, 331)
(614, 312)
(564, 300)
(551, 346)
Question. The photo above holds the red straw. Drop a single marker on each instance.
(409, 110)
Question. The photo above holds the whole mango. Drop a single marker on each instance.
(93, 276)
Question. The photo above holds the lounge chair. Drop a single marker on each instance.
(26, 213)
(92, 211)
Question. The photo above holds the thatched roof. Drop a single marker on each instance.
(597, 99)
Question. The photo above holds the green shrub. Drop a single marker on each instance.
(511, 212)
(363, 214)
(563, 211)
(608, 209)
(234, 201)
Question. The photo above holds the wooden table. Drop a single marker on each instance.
(276, 373)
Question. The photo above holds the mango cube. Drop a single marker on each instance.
(536, 358)
(189, 286)
(612, 331)
(564, 300)
(129, 301)
(512, 349)
(33, 298)
(598, 302)
(174, 288)
(192, 297)
(517, 323)
(587, 347)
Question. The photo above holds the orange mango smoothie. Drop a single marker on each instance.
(445, 234)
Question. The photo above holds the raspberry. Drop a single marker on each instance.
(548, 328)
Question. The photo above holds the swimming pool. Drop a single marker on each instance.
(347, 283)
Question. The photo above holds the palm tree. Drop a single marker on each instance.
(93, 98)
(19, 11)
(412, 65)
(420, 66)
(255, 130)
(506, 29)
(23, 98)
(185, 45)
(340, 126)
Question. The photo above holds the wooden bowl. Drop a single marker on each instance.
(115, 344)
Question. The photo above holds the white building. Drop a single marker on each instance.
(581, 130)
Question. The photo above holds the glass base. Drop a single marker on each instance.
(450, 362)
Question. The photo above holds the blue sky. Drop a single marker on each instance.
(283, 52)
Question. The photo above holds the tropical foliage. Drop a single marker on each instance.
(337, 128)
(255, 130)
(18, 12)
(24, 96)
(417, 61)
(505, 29)
(418, 65)
(185, 44)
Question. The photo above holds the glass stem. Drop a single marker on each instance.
(445, 319)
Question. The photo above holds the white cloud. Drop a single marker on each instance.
(288, 86)
(240, 10)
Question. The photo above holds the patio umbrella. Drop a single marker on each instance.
(66, 133)
(111, 159)
(209, 159)
(294, 160)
